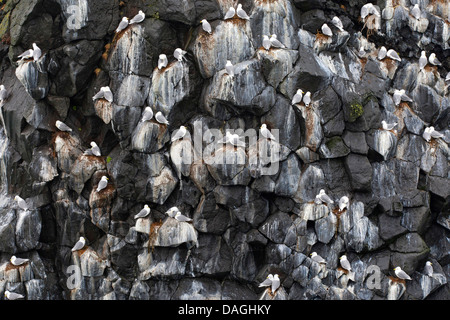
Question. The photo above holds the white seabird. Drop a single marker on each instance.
(323, 197)
(12, 295)
(138, 18)
(326, 30)
(18, 261)
(266, 132)
(180, 134)
(143, 213)
(37, 52)
(94, 150)
(400, 95)
(435, 134)
(338, 23)
(297, 97)
(361, 52)
(415, 11)
(447, 77)
(307, 98)
(345, 263)
(266, 43)
(235, 140)
(267, 282)
(275, 283)
(388, 126)
(172, 212)
(401, 274)
(62, 126)
(179, 54)
(3, 93)
(161, 119)
(428, 269)
(21, 202)
(79, 245)
(26, 55)
(427, 134)
(147, 114)
(206, 26)
(423, 60)
(180, 217)
(122, 25)
(162, 61)
(275, 42)
(343, 203)
(105, 93)
(229, 68)
(393, 55)
(230, 13)
(382, 53)
(367, 9)
(433, 60)
(102, 184)
(315, 257)
(241, 13)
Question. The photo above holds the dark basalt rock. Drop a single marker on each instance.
(253, 207)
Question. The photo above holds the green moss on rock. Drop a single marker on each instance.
(356, 110)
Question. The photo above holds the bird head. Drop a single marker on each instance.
(322, 191)
(82, 239)
(263, 126)
(93, 144)
(397, 268)
(276, 277)
(12, 258)
(16, 198)
(274, 36)
(313, 254)
(201, 21)
(239, 6)
(343, 257)
(125, 19)
(162, 56)
(2, 87)
(429, 263)
(146, 206)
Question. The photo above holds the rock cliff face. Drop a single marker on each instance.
(252, 215)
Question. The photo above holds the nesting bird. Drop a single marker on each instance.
(345, 264)
(12, 295)
(102, 184)
(275, 42)
(180, 134)
(79, 245)
(162, 61)
(206, 26)
(229, 68)
(266, 132)
(322, 197)
(18, 261)
(143, 213)
(337, 23)
(431, 133)
(62, 126)
(388, 126)
(401, 274)
(241, 13)
(138, 18)
(315, 257)
(179, 54)
(326, 30)
(415, 11)
(161, 119)
(428, 269)
(94, 150)
(3, 93)
(266, 43)
(21, 203)
(104, 93)
(307, 99)
(382, 53)
(297, 97)
(391, 53)
(172, 212)
(182, 218)
(122, 25)
(34, 53)
(423, 60)
(235, 140)
(433, 60)
(147, 115)
(399, 96)
(230, 13)
(343, 203)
